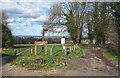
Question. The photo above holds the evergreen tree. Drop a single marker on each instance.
(7, 39)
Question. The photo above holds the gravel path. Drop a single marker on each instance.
(92, 63)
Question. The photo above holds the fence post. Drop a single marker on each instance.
(46, 47)
(35, 49)
(42, 48)
(32, 51)
(74, 46)
(70, 49)
(65, 51)
(14, 52)
(51, 51)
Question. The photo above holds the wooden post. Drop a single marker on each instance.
(14, 52)
(31, 50)
(46, 48)
(35, 47)
(42, 48)
(51, 51)
(70, 49)
(74, 46)
(65, 51)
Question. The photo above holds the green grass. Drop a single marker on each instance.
(33, 62)
(111, 54)
(18, 48)
(87, 45)
(58, 51)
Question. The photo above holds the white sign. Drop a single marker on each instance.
(40, 43)
(62, 40)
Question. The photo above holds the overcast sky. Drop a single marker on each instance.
(27, 18)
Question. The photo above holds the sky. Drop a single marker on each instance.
(27, 18)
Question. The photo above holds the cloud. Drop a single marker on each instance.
(24, 9)
(12, 26)
(38, 20)
(26, 31)
(10, 20)
(26, 18)
(19, 19)
(34, 12)
(27, 23)
(17, 27)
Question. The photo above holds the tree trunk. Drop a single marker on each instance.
(78, 35)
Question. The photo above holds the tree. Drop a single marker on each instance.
(100, 21)
(69, 16)
(115, 9)
(89, 21)
(7, 39)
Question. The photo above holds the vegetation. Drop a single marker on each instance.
(38, 61)
(115, 9)
(100, 18)
(18, 49)
(7, 39)
(111, 54)
(41, 60)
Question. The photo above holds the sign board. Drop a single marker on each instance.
(40, 43)
(62, 40)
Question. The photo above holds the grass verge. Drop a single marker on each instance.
(41, 60)
(111, 54)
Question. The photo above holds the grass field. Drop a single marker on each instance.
(17, 47)
(41, 60)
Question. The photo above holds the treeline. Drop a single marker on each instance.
(31, 40)
(101, 19)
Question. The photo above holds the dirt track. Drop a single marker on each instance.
(92, 63)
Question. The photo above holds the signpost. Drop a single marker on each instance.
(40, 43)
(63, 42)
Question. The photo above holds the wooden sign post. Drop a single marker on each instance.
(40, 43)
